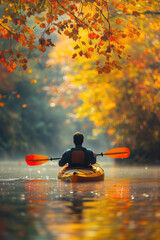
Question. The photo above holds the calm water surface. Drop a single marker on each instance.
(35, 206)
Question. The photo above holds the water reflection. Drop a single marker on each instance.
(118, 208)
(15, 222)
(113, 209)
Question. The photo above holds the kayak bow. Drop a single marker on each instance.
(90, 174)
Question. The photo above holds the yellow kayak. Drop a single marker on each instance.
(90, 174)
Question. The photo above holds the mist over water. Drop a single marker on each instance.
(35, 205)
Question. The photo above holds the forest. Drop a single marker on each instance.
(90, 65)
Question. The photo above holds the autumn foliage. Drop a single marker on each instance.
(124, 103)
(33, 25)
(108, 52)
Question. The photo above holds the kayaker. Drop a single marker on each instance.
(78, 156)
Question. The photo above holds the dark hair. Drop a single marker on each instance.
(78, 138)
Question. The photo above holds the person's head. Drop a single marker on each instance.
(78, 138)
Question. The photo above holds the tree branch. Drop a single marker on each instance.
(150, 12)
(77, 19)
(7, 29)
(106, 18)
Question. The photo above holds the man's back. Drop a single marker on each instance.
(78, 157)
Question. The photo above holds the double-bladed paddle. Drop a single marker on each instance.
(33, 160)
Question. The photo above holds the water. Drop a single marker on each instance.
(34, 205)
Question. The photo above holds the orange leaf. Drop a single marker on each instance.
(118, 21)
(42, 25)
(52, 29)
(10, 69)
(111, 131)
(90, 49)
(24, 105)
(14, 66)
(100, 70)
(2, 104)
(125, 10)
(37, 21)
(33, 81)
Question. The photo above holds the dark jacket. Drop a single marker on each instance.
(74, 159)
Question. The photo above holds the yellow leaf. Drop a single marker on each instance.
(33, 81)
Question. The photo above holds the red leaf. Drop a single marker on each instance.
(100, 70)
(10, 69)
(25, 60)
(101, 43)
(112, 38)
(93, 36)
(90, 49)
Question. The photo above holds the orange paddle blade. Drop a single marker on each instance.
(118, 153)
(34, 160)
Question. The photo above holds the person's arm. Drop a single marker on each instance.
(92, 157)
(62, 161)
(65, 158)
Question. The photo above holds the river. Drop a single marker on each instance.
(34, 205)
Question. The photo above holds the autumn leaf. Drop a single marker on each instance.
(24, 106)
(118, 21)
(76, 47)
(2, 104)
(33, 81)
(80, 53)
(74, 55)
(111, 131)
(101, 43)
(112, 38)
(42, 25)
(10, 69)
(84, 43)
(42, 41)
(91, 49)
(93, 36)
(92, 21)
(136, 14)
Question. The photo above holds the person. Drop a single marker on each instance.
(78, 156)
